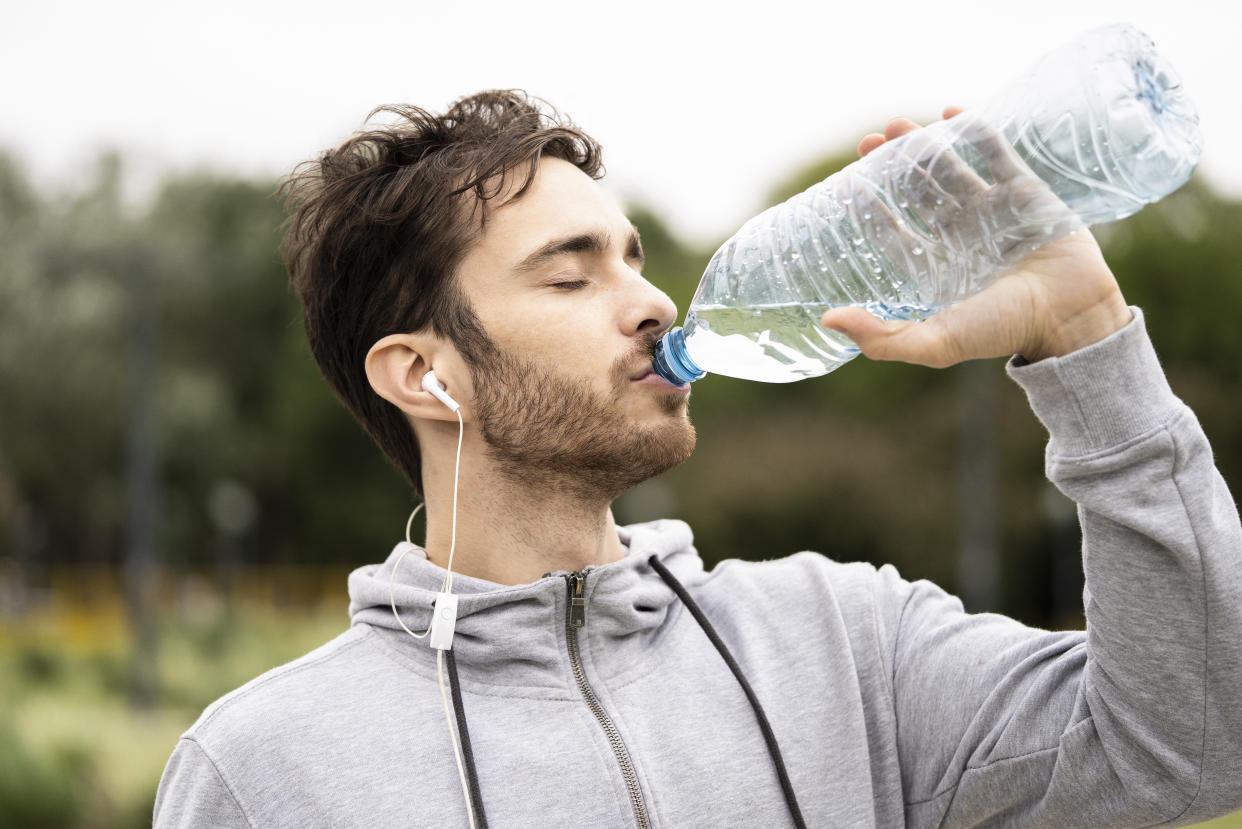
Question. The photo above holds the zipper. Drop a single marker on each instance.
(575, 617)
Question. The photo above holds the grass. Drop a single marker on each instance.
(73, 751)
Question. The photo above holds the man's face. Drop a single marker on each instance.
(562, 401)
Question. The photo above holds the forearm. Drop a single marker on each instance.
(1162, 552)
(1141, 723)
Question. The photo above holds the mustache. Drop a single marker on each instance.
(643, 351)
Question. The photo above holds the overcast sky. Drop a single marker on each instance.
(701, 109)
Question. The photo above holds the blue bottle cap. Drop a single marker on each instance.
(672, 362)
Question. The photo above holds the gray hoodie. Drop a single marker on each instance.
(889, 704)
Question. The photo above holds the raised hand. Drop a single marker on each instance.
(1055, 300)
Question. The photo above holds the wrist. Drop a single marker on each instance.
(1084, 328)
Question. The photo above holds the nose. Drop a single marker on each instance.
(648, 310)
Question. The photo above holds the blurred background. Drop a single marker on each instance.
(181, 498)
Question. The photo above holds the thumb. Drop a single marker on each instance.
(880, 339)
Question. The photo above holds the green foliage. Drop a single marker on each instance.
(38, 791)
(39, 665)
(72, 751)
(240, 403)
(260, 463)
(1181, 261)
(813, 173)
(671, 265)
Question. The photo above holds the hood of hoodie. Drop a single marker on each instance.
(514, 635)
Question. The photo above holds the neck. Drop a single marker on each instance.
(510, 533)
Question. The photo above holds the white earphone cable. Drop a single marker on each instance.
(448, 576)
(392, 576)
(447, 587)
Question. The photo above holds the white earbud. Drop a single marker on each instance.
(431, 384)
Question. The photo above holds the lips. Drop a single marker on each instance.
(644, 372)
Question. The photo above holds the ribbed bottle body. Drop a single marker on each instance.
(1093, 132)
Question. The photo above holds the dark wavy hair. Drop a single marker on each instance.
(378, 226)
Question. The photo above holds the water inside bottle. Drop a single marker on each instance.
(777, 343)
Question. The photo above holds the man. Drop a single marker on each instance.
(600, 677)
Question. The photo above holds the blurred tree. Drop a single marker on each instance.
(257, 447)
(61, 363)
(19, 217)
(100, 274)
(259, 462)
(240, 401)
(1181, 261)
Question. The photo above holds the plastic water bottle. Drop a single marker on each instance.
(1096, 130)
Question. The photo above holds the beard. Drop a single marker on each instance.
(559, 435)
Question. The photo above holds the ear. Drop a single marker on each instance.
(395, 367)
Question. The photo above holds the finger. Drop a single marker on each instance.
(898, 127)
(955, 175)
(895, 128)
(869, 143)
(996, 151)
(936, 174)
(886, 231)
(921, 193)
(951, 111)
(910, 342)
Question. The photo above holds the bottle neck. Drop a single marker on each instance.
(672, 361)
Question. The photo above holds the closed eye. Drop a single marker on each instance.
(571, 285)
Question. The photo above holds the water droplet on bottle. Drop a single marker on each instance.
(846, 200)
(939, 202)
(903, 204)
(917, 250)
(857, 240)
(866, 217)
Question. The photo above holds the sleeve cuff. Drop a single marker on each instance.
(1100, 396)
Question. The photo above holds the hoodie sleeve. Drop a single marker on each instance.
(193, 794)
(1137, 722)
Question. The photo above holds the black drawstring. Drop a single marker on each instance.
(472, 775)
(775, 750)
(476, 797)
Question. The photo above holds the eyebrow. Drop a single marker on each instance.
(593, 241)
